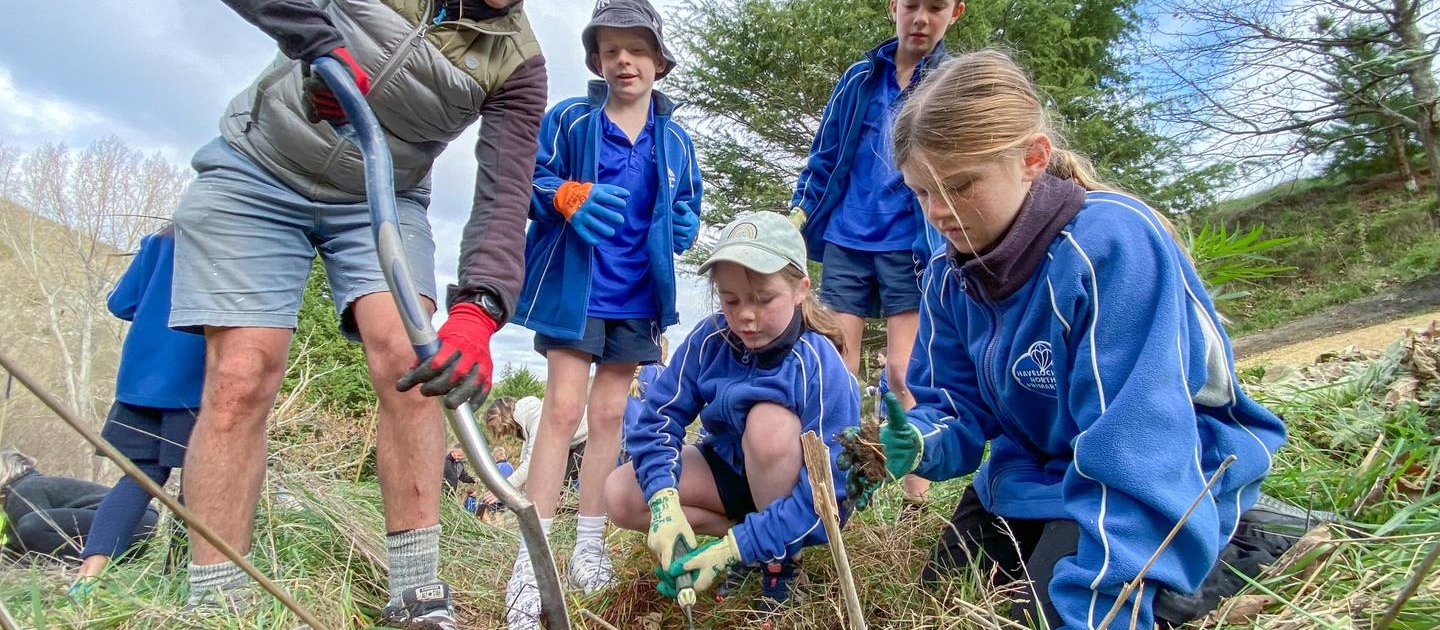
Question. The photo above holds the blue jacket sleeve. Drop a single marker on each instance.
(829, 403)
(671, 403)
(825, 149)
(551, 170)
(125, 296)
(948, 410)
(1137, 457)
(690, 190)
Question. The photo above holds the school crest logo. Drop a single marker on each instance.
(1034, 369)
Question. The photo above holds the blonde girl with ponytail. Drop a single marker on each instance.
(1065, 328)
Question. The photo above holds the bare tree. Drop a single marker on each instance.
(1247, 81)
(67, 220)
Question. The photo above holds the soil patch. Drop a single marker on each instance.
(1375, 320)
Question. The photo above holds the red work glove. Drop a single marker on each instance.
(319, 101)
(461, 370)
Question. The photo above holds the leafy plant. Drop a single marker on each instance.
(1227, 259)
(336, 365)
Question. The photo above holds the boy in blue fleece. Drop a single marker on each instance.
(616, 196)
(858, 217)
(157, 394)
(1065, 326)
(758, 374)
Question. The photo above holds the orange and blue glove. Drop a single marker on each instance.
(319, 100)
(461, 370)
(593, 210)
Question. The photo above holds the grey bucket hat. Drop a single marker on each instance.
(764, 242)
(624, 14)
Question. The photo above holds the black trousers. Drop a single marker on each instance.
(61, 532)
(1006, 550)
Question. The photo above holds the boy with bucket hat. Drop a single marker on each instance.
(617, 195)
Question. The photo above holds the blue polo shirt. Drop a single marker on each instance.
(620, 282)
(876, 214)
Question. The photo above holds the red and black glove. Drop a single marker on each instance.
(319, 101)
(461, 370)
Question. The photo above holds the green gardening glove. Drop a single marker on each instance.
(901, 440)
(708, 563)
(668, 527)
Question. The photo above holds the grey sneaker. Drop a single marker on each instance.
(522, 597)
(1268, 509)
(421, 608)
(590, 566)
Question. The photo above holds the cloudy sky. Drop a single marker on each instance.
(159, 73)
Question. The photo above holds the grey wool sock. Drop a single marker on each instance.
(414, 559)
(211, 585)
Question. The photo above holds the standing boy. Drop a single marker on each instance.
(280, 184)
(617, 195)
(857, 216)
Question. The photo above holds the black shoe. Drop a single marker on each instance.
(781, 585)
(735, 580)
(421, 608)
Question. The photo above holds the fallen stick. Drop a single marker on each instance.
(1411, 585)
(159, 493)
(822, 485)
(1133, 584)
(596, 618)
(6, 621)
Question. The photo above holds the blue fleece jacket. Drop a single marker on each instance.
(714, 377)
(556, 294)
(820, 189)
(159, 367)
(645, 376)
(1106, 388)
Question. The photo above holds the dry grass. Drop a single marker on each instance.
(319, 533)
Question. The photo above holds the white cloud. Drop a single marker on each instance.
(158, 75)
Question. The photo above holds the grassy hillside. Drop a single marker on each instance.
(1351, 240)
(31, 245)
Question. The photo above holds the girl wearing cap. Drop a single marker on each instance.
(1067, 328)
(757, 375)
(617, 194)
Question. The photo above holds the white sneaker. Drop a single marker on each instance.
(590, 566)
(522, 597)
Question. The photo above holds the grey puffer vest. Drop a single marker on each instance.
(427, 84)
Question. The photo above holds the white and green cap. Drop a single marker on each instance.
(763, 242)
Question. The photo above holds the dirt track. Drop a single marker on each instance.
(1370, 323)
(1374, 337)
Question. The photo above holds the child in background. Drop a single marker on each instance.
(520, 420)
(616, 196)
(1067, 328)
(758, 374)
(858, 217)
(157, 394)
(645, 375)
